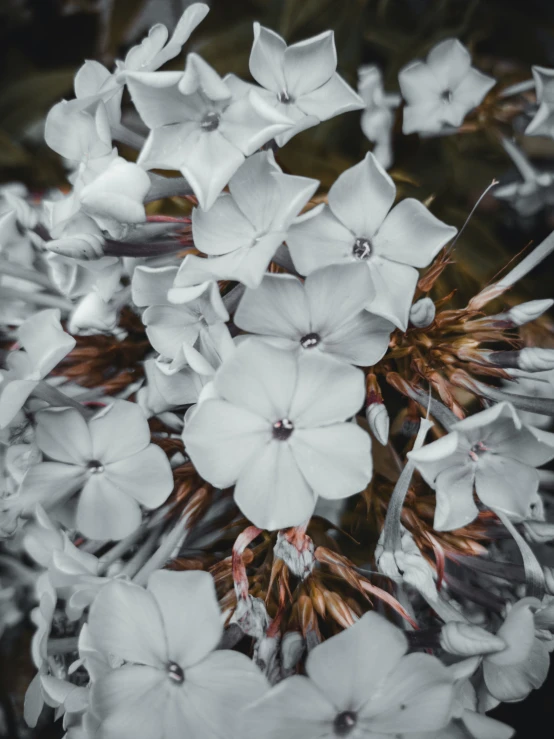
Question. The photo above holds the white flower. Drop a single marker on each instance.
(173, 683)
(357, 227)
(491, 451)
(378, 117)
(300, 80)
(199, 126)
(360, 684)
(162, 391)
(243, 229)
(77, 277)
(323, 314)
(44, 344)
(93, 315)
(175, 330)
(442, 90)
(110, 460)
(78, 134)
(276, 429)
(543, 122)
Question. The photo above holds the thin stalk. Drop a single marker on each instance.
(125, 136)
(56, 398)
(173, 541)
(24, 273)
(168, 187)
(38, 298)
(517, 88)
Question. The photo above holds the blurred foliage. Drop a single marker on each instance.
(43, 43)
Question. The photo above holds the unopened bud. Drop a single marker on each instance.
(422, 313)
(529, 359)
(467, 640)
(378, 422)
(526, 312)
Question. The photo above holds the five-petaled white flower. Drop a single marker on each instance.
(173, 683)
(324, 314)
(300, 80)
(356, 226)
(243, 229)
(442, 90)
(200, 126)
(492, 452)
(276, 428)
(360, 684)
(110, 460)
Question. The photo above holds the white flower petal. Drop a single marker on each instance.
(394, 286)
(455, 505)
(266, 59)
(151, 284)
(335, 460)
(145, 476)
(336, 295)
(271, 491)
(44, 340)
(221, 438)
(363, 340)
(327, 391)
(157, 98)
(106, 512)
(125, 621)
(254, 189)
(190, 613)
(13, 396)
(259, 378)
(431, 459)
(348, 668)
(319, 240)
(48, 483)
(473, 88)
(331, 99)
(118, 431)
(450, 62)
(506, 485)
(277, 307)
(63, 435)
(310, 64)
(515, 682)
(418, 84)
(223, 228)
(362, 196)
(412, 235)
(251, 121)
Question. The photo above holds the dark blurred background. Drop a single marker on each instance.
(43, 42)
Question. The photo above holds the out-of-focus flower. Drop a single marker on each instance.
(300, 80)
(359, 684)
(491, 451)
(530, 194)
(535, 385)
(543, 121)
(43, 345)
(199, 126)
(93, 315)
(242, 230)
(110, 460)
(378, 117)
(276, 429)
(357, 227)
(442, 90)
(323, 314)
(172, 682)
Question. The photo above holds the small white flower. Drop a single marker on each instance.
(491, 451)
(323, 314)
(543, 122)
(243, 229)
(43, 345)
(441, 90)
(173, 683)
(357, 227)
(276, 429)
(378, 117)
(110, 460)
(199, 126)
(360, 684)
(300, 80)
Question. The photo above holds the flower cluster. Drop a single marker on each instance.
(195, 411)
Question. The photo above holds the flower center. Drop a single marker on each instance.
(210, 121)
(309, 341)
(95, 466)
(477, 450)
(446, 96)
(284, 97)
(282, 429)
(175, 673)
(344, 723)
(362, 249)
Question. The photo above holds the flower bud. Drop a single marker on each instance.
(378, 421)
(422, 313)
(526, 312)
(467, 640)
(529, 359)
